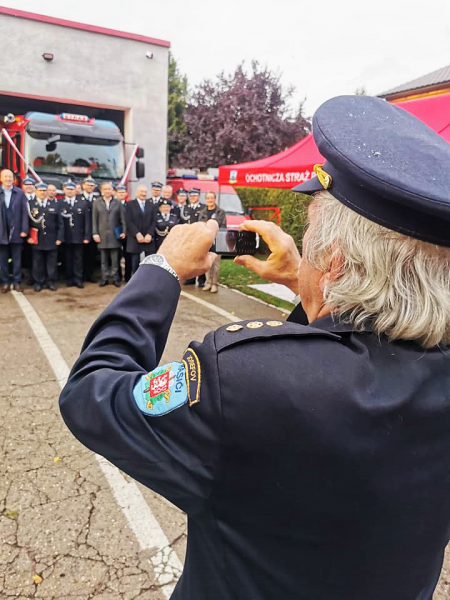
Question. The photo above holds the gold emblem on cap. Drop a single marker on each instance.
(274, 323)
(325, 178)
(255, 324)
(235, 327)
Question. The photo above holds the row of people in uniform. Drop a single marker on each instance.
(84, 222)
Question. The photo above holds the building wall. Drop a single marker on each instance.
(92, 69)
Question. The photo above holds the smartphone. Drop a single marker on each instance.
(235, 241)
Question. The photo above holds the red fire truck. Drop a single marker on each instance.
(65, 146)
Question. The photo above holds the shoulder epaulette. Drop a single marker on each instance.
(250, 331)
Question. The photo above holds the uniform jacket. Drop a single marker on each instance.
(105, 221)
(163, 227)
(140, 222)
(77, 220)
(218, 215)
(194, 212)
(19, 214)
(313, 465)
(50, 226)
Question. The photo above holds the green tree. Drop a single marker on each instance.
(177, 105)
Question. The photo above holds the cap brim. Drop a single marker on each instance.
(308, 187)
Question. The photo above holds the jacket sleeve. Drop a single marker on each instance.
(60, 223)
(94, 218)
(174, 454)
(132, 229)
(87, 223)
(222, 218)
(123, 220)
(24, 219)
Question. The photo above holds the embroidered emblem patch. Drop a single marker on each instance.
(193, 376)
(161, 391)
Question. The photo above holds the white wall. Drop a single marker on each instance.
(92, 68)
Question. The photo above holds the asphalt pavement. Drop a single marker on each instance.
(71, 526)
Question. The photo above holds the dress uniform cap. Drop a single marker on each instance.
(164, 201)
(69, 185)
(182, 192)
(385, 164)
(121, 188)
(41, 185)
(194, 191)
(89, 180)
(157, 185)
(29, 181)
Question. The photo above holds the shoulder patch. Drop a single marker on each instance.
(162, 390)
(193, 375)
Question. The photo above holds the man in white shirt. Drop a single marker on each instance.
(13, 228)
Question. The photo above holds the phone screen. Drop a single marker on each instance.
(234, 242)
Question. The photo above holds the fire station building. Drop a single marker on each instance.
(56, 66)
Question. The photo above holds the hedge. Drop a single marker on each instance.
(292, 205)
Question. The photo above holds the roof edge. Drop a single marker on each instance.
(22, 14)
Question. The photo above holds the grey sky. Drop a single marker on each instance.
(322, 48)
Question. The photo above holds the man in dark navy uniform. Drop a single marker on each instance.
(194, 210)
(29, 188)
(166, 219)
(77, 233)
(181, 208)
(156, 192)
(312, 459)
(89, 250)
(45, 217)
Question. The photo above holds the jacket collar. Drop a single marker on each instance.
(333, 324)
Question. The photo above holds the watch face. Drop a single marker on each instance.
(157, 259)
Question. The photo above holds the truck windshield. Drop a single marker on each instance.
(73, 154)
(230, 203)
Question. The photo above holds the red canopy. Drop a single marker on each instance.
(295, 165)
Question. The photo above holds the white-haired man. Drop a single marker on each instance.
(312, 459)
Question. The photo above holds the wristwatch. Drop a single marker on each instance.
(159, 261)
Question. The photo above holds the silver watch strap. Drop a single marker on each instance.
(159, 261)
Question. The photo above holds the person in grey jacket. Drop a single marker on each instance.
(212, 211)
(108, 228)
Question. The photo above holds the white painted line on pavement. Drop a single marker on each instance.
(213, 307)
(141, 520)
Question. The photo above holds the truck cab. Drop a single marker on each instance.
(58, 147)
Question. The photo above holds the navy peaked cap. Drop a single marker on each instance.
(182, 192)
(157, 185)
(89, 180)
(41, 185)
(69, 185)
(121, 188)
(194, 191)
(385, 164)
(165, 201)
(28, 181)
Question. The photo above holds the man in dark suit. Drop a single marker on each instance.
(45, 216)
(141, 221)
(13, 228)
(77, 231)
(121, 195)
(108, 229)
